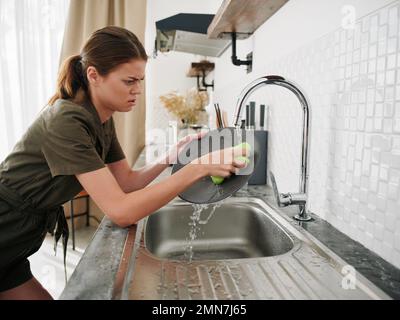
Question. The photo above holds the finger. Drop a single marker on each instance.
(239, 164)
(227, 155)
(231, 168)
(183, 141)
(215, 158)
(222, 172)
(226, 174)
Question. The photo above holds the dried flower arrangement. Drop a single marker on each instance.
(186, 108)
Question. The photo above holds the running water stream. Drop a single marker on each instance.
(196, 222)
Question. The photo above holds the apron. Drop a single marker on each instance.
(51, 220)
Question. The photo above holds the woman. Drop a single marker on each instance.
(72, 145)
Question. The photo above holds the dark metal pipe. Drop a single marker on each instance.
(235, 60)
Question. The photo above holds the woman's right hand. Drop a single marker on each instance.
(221, 163)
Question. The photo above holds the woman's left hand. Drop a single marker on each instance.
(181, 144)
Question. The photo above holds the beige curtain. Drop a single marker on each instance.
(87, 16)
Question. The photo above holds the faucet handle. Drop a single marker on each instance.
(282, 199)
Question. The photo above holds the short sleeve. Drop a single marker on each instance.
(115, 152)
(68, 146)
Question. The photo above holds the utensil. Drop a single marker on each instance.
(220, 116)
(218, 113)
(262, 116)
(252, 115)
(204, 190)
(247, 116)
(224, 118)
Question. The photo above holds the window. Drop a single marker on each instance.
(30, 44)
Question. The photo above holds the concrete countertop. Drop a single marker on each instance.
(95, 276)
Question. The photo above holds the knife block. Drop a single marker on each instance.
(259, 176)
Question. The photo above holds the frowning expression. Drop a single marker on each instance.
(119, 89)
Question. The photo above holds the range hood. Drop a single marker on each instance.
(187, 32)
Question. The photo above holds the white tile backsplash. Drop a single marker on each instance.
(352, 80)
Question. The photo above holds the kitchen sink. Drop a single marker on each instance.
(234, 231)
(246, 250)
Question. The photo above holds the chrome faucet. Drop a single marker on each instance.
(285, 199)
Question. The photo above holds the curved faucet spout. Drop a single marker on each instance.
(280, 81)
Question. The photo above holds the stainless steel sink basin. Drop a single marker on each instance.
(235, 231)
(247, 250)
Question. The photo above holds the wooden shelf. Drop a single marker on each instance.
(198, 67)
(242, 17)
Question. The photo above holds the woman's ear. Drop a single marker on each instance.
(92, 76)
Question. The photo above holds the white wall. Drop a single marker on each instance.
(167, 72)
(352, 79)
(297, 23)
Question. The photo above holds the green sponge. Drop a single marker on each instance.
(218, 180)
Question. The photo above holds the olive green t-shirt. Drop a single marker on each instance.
(66, 139)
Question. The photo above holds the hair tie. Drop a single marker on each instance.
(79, 71)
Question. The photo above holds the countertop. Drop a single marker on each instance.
(98, 273)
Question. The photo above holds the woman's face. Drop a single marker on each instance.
(119, 89)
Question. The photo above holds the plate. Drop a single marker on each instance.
(204, 190)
